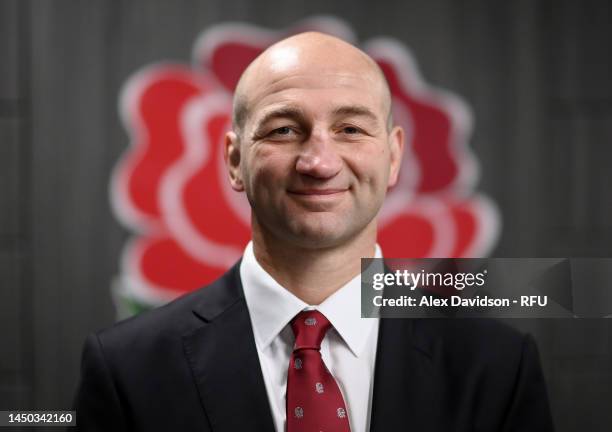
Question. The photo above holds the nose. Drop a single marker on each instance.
(318, 157)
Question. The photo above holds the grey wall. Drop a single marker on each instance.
(537, 74)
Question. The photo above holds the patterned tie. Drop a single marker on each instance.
(314, 401)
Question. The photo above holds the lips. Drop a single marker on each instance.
(317, 191)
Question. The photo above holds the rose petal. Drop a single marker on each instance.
(208, 218)
(151, 104)
(160, 268)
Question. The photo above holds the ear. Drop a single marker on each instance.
(396, 148)
(232, 160)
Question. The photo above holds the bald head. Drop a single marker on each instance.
(306, 54)
(311, 145)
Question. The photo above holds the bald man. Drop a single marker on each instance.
(277, 343)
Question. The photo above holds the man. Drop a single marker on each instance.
(278, 343)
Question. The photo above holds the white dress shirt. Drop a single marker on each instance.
(348, 349)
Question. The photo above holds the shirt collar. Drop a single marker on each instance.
(342, 308)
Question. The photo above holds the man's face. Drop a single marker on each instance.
(315, 154)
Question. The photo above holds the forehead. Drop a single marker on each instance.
(316, 90)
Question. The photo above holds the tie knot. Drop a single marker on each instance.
(309, 328)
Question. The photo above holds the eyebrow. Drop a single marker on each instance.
(299, 115)
(293, 113)
(354, 110)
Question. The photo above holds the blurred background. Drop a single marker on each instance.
(536, 75)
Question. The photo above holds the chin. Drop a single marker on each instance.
(320, 235)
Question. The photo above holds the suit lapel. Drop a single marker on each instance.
(223, 358)
(224, 361)
(406, 386)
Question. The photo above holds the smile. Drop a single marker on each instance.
(317, 192)
(318, 199)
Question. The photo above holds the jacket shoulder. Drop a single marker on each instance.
(474, 344)
(175, 318)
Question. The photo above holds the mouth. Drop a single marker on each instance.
(323, 199)
(317, 192)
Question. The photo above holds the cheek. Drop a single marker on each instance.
(268, 169)
(371, 166)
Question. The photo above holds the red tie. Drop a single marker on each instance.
(314, 401)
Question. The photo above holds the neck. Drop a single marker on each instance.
(312, 274)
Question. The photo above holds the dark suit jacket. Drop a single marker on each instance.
(192, 365)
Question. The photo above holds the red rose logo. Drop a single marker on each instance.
(170, 186)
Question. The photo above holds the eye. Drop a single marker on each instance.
(351, 130)
(285, 130)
